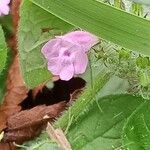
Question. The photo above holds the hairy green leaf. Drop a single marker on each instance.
(84, 100)
(136, 134)
(102, 129)
(35, 28)
(117, 26)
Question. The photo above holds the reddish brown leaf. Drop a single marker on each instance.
(28, 123)
(7, 146)
(15, 93)
(34, 116)
(19, 136)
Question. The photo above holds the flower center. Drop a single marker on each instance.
(67, 53)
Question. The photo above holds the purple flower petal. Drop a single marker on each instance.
(6, 2)
(80, 63)
(85, 39)
(51, 48)
(67, 72)
(54, 66)
(66, 55)
(69, 51)
(4, 9)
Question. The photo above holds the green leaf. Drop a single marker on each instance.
(3, 50)
(114, 86)
(127, 30)
(144, 79)
(84, 100)
(3, 76)
(2, 84)
(146, 2)
(136, 134)
(101, 129)
(39, 144)
(3, 65)
(35, 28)
(6, 22)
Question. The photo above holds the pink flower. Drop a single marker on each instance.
(4, 7)
(66, 55)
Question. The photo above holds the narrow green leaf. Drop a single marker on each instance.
(101, 129)
(136, 134)
(35, 28)
(117, 26)
(3, 50)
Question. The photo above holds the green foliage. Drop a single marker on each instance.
(84, 100)
(102, 128)
(144, 79)
(127, 65)
(94, 121)
(119, 4)
(136, 134)
(3, 65)
(127, 30)
(3, 77)
(74, 111)
(35, 28)
(142, 62)
(137, 9)
(113, 86)
(3, 50)
(6, 22)
(146, 2)
(38, 144)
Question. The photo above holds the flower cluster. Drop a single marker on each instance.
(67, 54)
(4, 7)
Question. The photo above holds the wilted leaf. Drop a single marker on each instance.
(15, 93)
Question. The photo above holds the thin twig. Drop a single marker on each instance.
(58, 136)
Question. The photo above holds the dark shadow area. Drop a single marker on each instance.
(60, 92)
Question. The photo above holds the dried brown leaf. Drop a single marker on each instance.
(28, 123)
(34, 116)
(15, 93)
(7, 146)
(21, 135)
